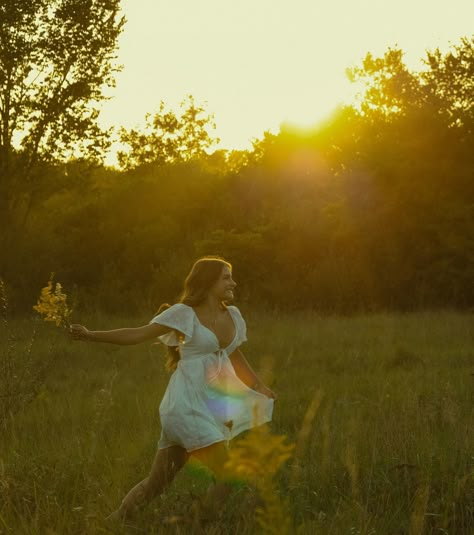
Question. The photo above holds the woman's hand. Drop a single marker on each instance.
(262, 389)
(78, 332)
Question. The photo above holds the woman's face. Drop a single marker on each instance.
(223, 289)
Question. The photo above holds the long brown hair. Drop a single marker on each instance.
(202, 277)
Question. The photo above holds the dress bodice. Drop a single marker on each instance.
(196, 340)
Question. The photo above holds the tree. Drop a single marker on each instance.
(446, 87)
(416, 143)
(451, 79)
(168, 138)
(56, 58)
(388, 86)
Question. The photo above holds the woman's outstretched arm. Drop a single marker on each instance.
(124, 337)
(247, 375)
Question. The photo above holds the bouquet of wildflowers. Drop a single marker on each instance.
(52, 304)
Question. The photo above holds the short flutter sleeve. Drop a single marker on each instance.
(240, 324)
(179, 317)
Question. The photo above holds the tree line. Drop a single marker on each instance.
(373, 209)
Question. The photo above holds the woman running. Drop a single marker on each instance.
(213, 393)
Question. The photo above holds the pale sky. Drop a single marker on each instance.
(258, 63)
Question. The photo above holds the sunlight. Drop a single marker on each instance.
(259, 64)
(305, 162)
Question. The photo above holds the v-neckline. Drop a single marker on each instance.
(214, 334)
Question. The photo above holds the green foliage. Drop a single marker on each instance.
(168, 138)
(450, 79)
(371, 210)
(445, 87)
(56, 59)
(389, 87)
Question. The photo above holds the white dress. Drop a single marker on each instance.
(205, 402)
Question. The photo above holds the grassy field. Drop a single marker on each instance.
(380, 407)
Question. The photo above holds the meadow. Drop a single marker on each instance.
(379, 407)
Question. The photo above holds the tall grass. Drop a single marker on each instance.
(380, 408)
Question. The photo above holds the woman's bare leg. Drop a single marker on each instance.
(167, 463)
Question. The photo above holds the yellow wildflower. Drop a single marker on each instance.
(52, 304)
(258, 458)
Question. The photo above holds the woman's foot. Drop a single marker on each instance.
(115, 516)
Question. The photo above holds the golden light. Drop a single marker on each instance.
(258, 63)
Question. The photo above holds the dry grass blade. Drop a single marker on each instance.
(302, 440)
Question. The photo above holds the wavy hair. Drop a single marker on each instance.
(202, 277)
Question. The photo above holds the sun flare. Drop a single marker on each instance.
(258, 64)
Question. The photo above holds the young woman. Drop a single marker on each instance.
(213, 393)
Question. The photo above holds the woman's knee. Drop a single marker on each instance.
(168, 462)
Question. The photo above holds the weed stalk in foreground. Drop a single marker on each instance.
(257, 459)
